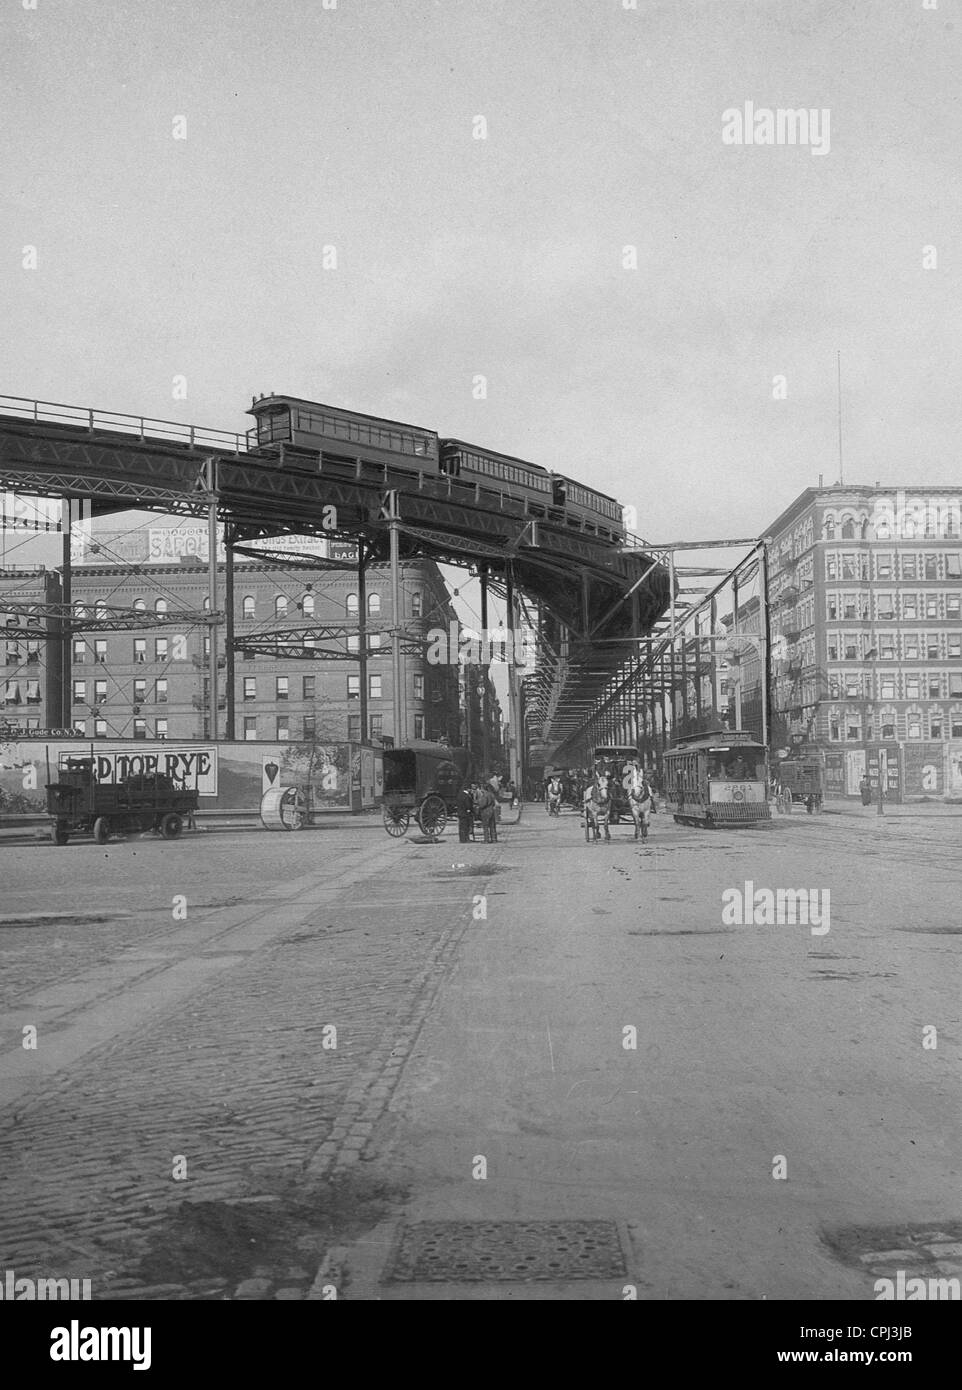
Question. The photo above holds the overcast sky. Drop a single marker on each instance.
(457, 257)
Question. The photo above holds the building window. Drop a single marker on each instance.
(250, 727)
(100, 651)
(33, 693)
(418, 687)
(833, 731)
(910, 646)
(207, 645)
(887, 688)
(910, 606)
(935, 687)
(851, 647)
(308, 688)
(160, 728)
(831, 567)
(888, 731)
(828, 528)
(935, 726)
(352, 603)
(832, 607)
(353, 642)
(417, 604)
(419, 726)
(283, 731)
(160, 692)
(884, 566)
(956, 724)
(250, 688)
(79, 650)
(310, 727)
(140, 692)
(140, 728)
(853, 687)
(955, 646)
(100, 728)
(374, 640)
(931, 605)
(100, 692)
(282, 688)
(850, 606)
(913, 725)
(33, 653)
(374, 687)
(955, 686)
(280, 606)
(140, 606)
(249, 606)
(160, 606)
(307, 605)
(160, 648)
(953, 607)
(80, 726)
(910, 567)
(354, 687)
(885, 607)
(354, 727)
(79, 692)
(853, 733)
(953, 565)
(932, 646)
(913, 688)
(886, 647)
(374, 605)
(377, 724)
(930, 567)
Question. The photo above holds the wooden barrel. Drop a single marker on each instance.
(283, 808)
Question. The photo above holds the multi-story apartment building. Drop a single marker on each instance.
(865, 588)
(31, 652)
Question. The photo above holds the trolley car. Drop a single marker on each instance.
(307, 435)
(718, 779)
(148, 801)
(422, 780)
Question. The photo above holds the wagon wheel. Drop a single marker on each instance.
(101, 830)
(171, 826)
(432, 816)
(396, 820)
(60, 835)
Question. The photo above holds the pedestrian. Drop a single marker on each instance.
(487, 811)
(465, 809)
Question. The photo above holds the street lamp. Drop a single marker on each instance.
(872, 654)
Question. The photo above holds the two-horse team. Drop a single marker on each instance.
(598, 797)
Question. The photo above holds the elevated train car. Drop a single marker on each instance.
(718, 779)
(313, 430)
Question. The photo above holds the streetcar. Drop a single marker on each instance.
(718, 779)
(306, 434)
(422, 780)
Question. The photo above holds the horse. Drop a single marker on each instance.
(553, 797)
(597, 808)
(640, 800)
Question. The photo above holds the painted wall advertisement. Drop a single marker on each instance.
(228, 776)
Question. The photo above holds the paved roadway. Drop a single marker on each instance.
(185, 1127)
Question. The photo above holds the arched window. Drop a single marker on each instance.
(206, 603)
(374, 604)
(160, 606)
(100, 609)
(848, 528)
(307, 605)
(139, 606)
(416, 604)
(352, 603)
(828, 527)
(280, 606)
(248, 605)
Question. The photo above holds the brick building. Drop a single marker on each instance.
(865, 588)
(30, 682)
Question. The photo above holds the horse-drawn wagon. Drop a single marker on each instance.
(800, 782)
(422, 780)
(78, 804)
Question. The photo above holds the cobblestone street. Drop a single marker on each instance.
(186, 1126)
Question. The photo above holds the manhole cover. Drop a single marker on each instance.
(506, 1251)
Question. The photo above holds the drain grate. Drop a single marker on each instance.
(506, 1252)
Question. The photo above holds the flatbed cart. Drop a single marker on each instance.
(78, 805)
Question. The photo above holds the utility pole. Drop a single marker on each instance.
(394, 525)
(213, 682)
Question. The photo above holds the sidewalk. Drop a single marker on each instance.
(843, 806)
